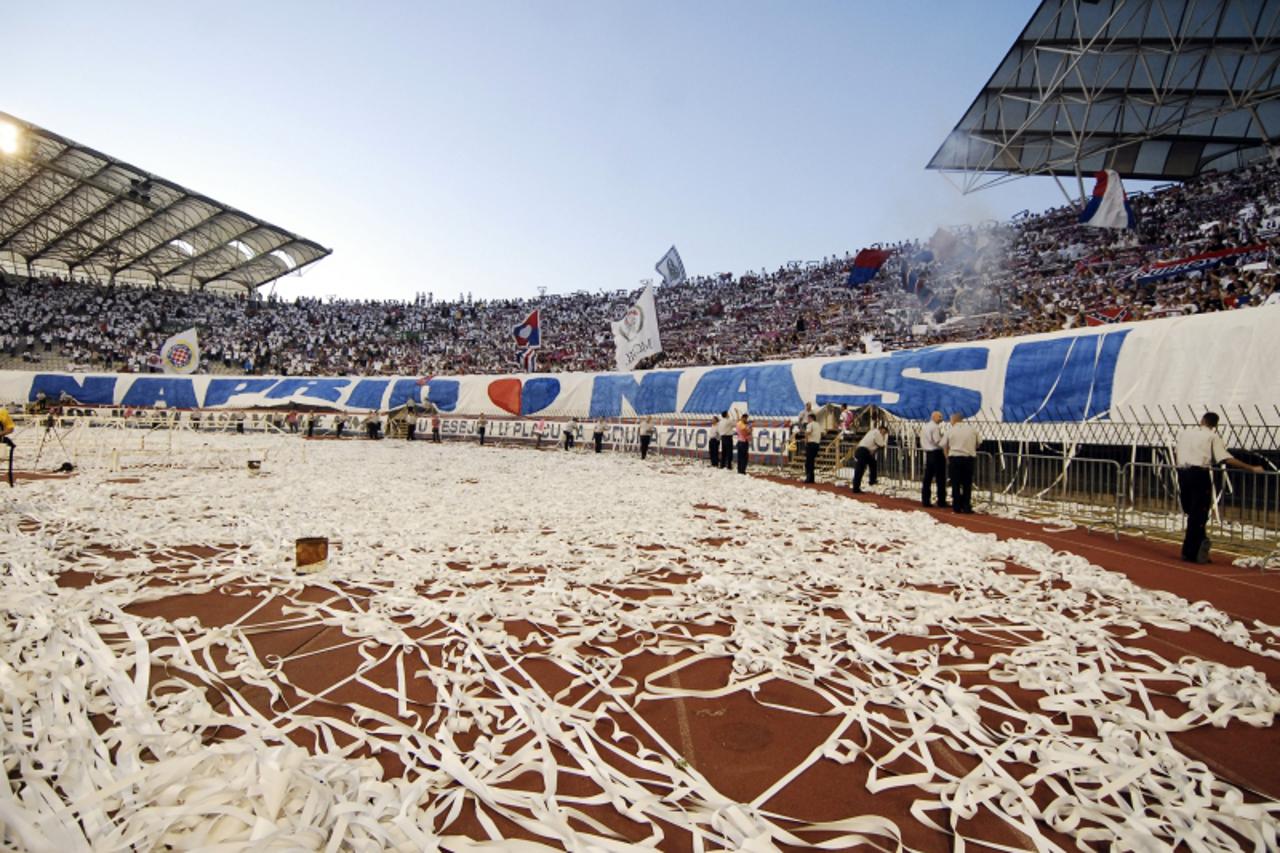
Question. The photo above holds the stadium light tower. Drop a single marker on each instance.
(10, 138)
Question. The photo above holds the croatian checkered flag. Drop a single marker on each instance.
(671, 268)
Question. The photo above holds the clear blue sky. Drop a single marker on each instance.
(493, 147)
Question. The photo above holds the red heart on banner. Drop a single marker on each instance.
(505, 394)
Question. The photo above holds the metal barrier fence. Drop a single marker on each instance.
(1246, 506)
(1101, 494)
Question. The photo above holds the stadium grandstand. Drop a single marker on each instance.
(68, 210)
(237, 618)
(1040, 272)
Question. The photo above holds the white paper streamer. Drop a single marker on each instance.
(121, 731)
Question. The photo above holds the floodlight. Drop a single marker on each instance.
(9, 137)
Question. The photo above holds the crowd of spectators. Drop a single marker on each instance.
(1038, 272)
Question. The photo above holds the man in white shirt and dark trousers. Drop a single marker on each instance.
(725, 430)
(812, 441)
(647, 433)
(865, 456)
(1197, 451)
(935, 460)
(961, 445)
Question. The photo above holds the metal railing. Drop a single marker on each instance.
(1245, 511)
(1137, 497)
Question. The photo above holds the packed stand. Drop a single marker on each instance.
(1036, 273)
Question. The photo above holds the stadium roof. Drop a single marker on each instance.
(1155, 89)
(65, 206)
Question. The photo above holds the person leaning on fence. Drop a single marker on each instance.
(864, 458)
(935, 460)
(482, 426)
(568, 433)
(961, 446)
(435, 427)
(713, 442)
(812, 441)
(1197, 451)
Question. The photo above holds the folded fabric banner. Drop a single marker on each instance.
(181, 353)
(1193, 263)
(671, 268)
(1109, 207)
(636, 335)
(866, 264)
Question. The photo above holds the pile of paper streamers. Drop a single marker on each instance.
(125, 732)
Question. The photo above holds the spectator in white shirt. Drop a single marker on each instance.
(1198, 450)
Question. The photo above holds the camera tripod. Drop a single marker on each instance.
(50, 428)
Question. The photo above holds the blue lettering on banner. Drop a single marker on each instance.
(538, 393)
(404, 391)
(1061, 379)
(917, 397)
(654, 393)
(176, 392)
(93, 391)
(222, 390)
(321, 389)
(443, 394)
(368, 394)
(767, 390)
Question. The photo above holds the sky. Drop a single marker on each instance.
(493, 148)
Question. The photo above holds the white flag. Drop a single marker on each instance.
(636, 335)
(671, 268)
(181, 353)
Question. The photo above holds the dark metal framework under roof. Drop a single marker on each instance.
(65, 206)
(1155, 89)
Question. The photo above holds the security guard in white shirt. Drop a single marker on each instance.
(1197, 451)
(812, 441)
(865, 456)
(935, 460)
(961, 444)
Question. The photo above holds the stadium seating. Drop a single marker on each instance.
(1036, 273)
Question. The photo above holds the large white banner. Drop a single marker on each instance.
(768, 443)
(635, 336)
(1131, 372)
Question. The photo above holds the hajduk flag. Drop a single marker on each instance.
(671, 268)
(529, 333)
(527, 358)
(635, 336)
(1109, 207)
(866, 264)
(181, 353)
